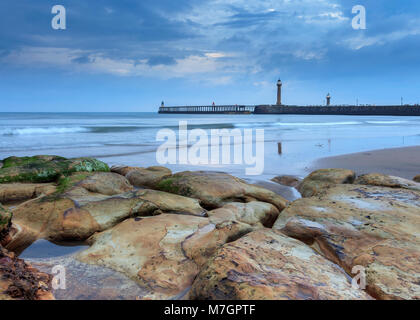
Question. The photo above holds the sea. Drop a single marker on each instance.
(131, 138)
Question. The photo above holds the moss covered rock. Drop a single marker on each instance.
(39, 169)
(5, 217)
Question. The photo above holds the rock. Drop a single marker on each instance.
(106, 183)
(162, 253)
(20, 281)
(382, 180)
(123, 170)
(373, 227)
(254, 213)
(40, 169)
(89, 282)
(214, 189)
(288, 193)
(417, 178)
(77, 213)
(267, 265)
(323, 178)
(18, 192)
(290, 181)
(147, 178)
(5, 219)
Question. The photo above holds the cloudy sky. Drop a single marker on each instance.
(129, 55)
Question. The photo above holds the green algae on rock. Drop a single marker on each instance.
(5, 218)
(38, 169)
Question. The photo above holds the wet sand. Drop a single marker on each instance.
(401, 162)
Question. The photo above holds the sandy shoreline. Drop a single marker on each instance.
(401, 162)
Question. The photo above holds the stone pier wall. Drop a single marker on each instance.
(340, 110)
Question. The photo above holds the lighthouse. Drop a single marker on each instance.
(328, 100)
(279, 84)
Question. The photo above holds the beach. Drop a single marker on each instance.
(400, 162)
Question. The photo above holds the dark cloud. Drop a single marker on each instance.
(83, 59)
(161, 60)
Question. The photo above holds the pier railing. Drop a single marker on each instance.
(226, 109)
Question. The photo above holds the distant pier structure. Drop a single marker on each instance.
(280, 108)
(212, 109)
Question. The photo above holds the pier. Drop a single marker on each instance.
(280, 108)
(213, 109)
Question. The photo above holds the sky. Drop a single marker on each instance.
(129, 55)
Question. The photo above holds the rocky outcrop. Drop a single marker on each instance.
(324, 178)
(369, 226)
(255, 213)
(207, 235)
(266, 265)
(11, 193)
(417, 178)
(383, 180)
(290, 181)
(20, 281)
(162, 253)
(123, 170)
(149, 177)
(106, 183)
(214, 189)
(40, 169)
(77, 212)
(143, 177)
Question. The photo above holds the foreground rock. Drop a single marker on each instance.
(215, 189)
(369, 226)
(20, 281)
(324, 178)
(40, 169)
(89, 204)
(255, 213)
(143, 177)
(290, 181)
(163, 254)
(266, 265)
(89, 282)
(383, 180)
(12, 193)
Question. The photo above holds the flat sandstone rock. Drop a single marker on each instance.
(377, 228)
(214, 189)
(267, 265)
(323, 178)
(164, 253)
(383, 180)
(19, 192)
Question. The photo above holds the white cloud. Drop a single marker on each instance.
(362, 41)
